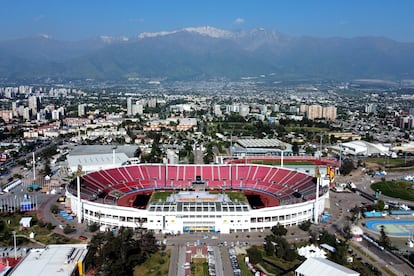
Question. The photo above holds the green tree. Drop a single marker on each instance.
(290, 255)
(380, 205)
(68, 229)
(295, 148)
(346, 167)
(305, 226)
(93, 227)
(47, 169)
(255, 254)
(118, 254)
(54, 209)
(269, 247)
(2, 226)
(279, 230)
(281, 247)
(340, 254)
(384, 240)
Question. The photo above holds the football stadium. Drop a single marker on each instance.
(175, 199)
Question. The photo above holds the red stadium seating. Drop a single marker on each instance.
(272, 180)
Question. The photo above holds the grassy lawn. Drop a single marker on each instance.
(277, 262)
(305, 129)
(384, 160)
(234, 195)
(57, 239)
(159, 196)
(243, 267)
(199, 268)
(11, 223)
(157, 264)
(400, 169)
(397, 189)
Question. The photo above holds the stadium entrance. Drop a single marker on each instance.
(194, 229)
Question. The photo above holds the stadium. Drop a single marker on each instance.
(197, 198)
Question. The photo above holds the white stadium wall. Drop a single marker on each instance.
(110, 215)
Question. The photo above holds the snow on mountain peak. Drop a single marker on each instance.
(209, 31)
(155, 34)
(204, 30)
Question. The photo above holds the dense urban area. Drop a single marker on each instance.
(202, 122)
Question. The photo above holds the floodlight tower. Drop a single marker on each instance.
(316, 207)
(34, 168)
(79, 209)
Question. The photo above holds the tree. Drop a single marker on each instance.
(47, 169)
(279, 230)
(255, 254)
(68, 229)
(384, 240)
(93, 227)
(137, 152)
(380, 205)
(290, 255)
(269, 247)
(54, 209)
(347, 166)
(305, 226)
(118, 254)
(295, 148)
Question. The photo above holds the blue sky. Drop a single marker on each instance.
(77, 19)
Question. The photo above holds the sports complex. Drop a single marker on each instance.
(395, 228)
(221, 198)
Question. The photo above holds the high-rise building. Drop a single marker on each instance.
(303, 108)
(27, 113)
(233, 108)
(137, 109)
(217, 110)
(314, 111)
(329, 113)
(129, 106)
(152, 102)
(244, 110)
(82, 110)
(34, 104)
(406, 122)
(371, 108)
(56, 115)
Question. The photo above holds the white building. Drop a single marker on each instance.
(244, 110)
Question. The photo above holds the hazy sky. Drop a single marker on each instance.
(80, 19)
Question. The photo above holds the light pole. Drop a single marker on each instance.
(14, 240)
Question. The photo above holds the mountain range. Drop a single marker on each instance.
(207, 52)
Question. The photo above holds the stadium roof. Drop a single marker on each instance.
(261, 143)
(97, 157)
(54, 260)
(323, 267)
(197, 207)
(129, 150)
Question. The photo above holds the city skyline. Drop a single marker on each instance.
(77, 20)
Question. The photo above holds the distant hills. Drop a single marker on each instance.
(207, 52)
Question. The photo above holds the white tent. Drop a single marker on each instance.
(311, 251)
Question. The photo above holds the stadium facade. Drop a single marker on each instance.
(275, 196)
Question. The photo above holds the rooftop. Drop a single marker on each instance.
(53, 260)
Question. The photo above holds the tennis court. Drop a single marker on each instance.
(397, 228)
